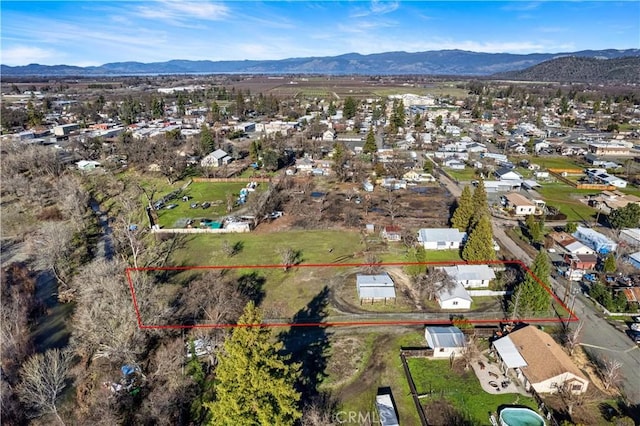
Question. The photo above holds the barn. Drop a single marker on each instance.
(375, 288)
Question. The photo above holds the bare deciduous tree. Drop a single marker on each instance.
(392, 206)
(470, 352)
(432, 282)
(214, 297)
(289, 257)
(44, 377)
(52, 247)
(105, 323)
(371, 263)
(610, 372)
(573, 336)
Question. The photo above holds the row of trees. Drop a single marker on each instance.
(472, 216)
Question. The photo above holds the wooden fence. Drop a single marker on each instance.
(414, 392)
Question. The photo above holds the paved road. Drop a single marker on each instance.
(599, 337)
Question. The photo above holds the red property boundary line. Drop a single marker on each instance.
(572, 316)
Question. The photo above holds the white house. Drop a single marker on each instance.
(454, 164)
(595, 240)
(446, 341)
(520, 204)
(216, 159)
(87, 165)
(441, 238)
(538, 361)
(328, 136)
(634, 259)
(375, 288)
(470, 276)
(506, 173)
(631, 236)
(454, 298)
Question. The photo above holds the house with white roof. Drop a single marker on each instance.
(631, 236)
(441, 238)
(595, 240)
(446, 341)
(454, 298)
(470, 276)
(375, 288)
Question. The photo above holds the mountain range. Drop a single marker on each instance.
(438, 62)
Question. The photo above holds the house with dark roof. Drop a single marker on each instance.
(538, 361)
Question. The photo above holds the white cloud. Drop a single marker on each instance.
(377, 7)
(23, 55)
(521, 6)
(181, 13)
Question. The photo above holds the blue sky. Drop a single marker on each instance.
(97, 32)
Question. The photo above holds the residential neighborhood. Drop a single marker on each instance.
(398, 234)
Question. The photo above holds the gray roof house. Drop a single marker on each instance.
(454, 298)
(441, 238)
(446, 341)
(375, 288)
(216, 159)
(470, 275)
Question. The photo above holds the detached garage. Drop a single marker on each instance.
(375, 288)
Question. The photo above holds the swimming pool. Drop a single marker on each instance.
(516, 416)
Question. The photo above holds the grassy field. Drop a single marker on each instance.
(550, 162)
(463, 390)
(565, 198)
(465, 175)
(199, 192)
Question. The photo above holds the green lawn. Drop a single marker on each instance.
(566, 199)
(550, 162)
(381, 368)
(199, 192)
(462, 390)
(469, 173)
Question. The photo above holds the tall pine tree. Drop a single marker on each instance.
(479, 203)
(531, 298)
(464, 211)
(370, 143)
(479, 245)
(254, 383)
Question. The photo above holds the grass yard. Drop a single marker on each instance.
(378, 365)
(467, 174)
(462, 389)
(550, 162)
(199, 192)
(565, 198)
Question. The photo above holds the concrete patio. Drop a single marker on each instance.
(489, 374)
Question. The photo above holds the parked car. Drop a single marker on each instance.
(206, 205)
(635, 336)
(194, 205)
(171, 206)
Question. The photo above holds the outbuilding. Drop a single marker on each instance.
(446, 341)
(375, 288)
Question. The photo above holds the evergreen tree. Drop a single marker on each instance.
(625, 217)
(610, 264)
(350, 107)
(480, 197)
(464, 211)
(370, 143)
(207, 143)
(479, 245)
(332, 109)
(531, 297)
(254, 382)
